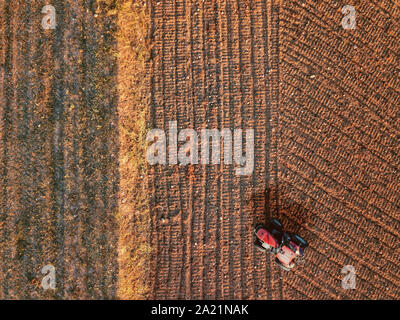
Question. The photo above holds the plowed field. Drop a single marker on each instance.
(324, 104)
(76, 192)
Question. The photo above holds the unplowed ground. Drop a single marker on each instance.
(58, 151)
(324, 104)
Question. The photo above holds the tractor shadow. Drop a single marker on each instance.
(280, 204)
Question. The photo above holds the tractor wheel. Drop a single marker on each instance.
(281, 265)
(258, 226)
(259, 246)
(300, 241)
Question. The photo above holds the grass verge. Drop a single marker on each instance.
(133, 52)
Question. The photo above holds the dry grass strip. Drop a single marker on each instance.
(133, 52)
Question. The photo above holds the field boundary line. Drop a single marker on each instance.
(133, 214)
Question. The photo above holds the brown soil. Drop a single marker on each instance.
(58, 151)
(324, 103)
(338, 146)
(75, 191)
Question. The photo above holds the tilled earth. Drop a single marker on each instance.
(324, 104)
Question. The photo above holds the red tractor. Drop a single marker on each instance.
(288, 248)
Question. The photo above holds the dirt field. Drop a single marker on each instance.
(75, 189)
(339, 151)
(58, 151)
(324, 104)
